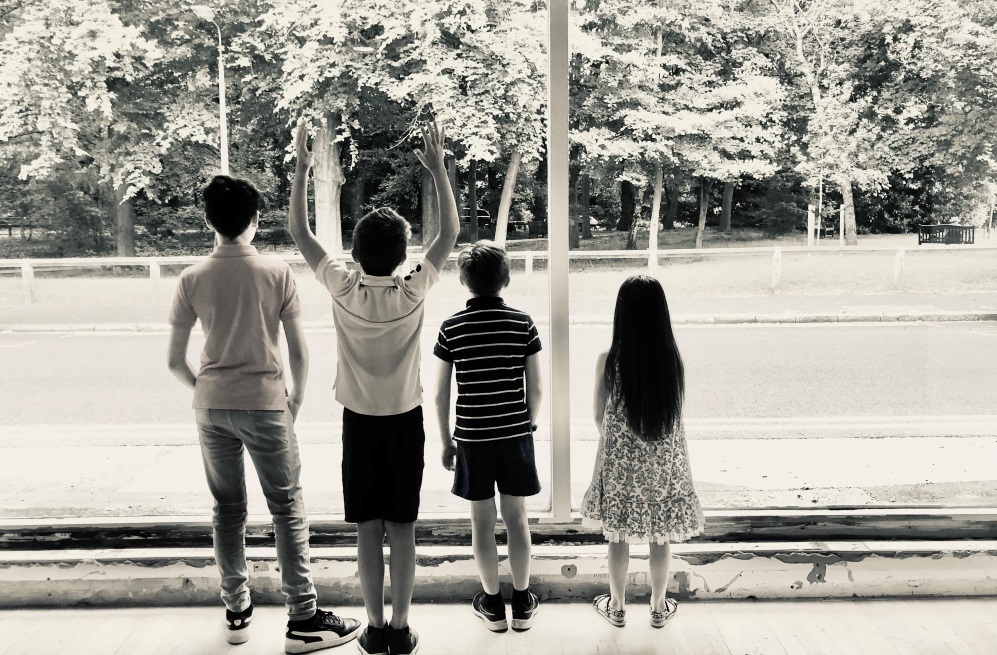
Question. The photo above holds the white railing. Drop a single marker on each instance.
(155, 264)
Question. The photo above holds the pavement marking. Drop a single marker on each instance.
(18, 345)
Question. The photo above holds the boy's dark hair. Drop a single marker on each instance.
(230, 203)
(380, 240)
(484, 268)
(644, 370)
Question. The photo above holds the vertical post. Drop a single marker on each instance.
(28, 282)
(810, 226)
(898, 266)
(154, 275)
(841, 226)
(776, 269)
(223, 119)
(529, 265)
(557, 208)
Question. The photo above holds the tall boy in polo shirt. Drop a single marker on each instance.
(494, 349)
(240, 402)
(378, 318)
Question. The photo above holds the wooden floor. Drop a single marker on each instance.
(928, 627)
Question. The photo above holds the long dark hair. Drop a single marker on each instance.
(644, 370)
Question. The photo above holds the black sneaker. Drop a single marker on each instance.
(522, 614)
(403, 641)
(237, 625)
(494, 619)
(373, 641)
(324, 630)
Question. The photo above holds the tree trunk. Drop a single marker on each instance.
(124, 223)
(505, 204)
(673, 206)
(652, 233)
(430, 209)
(725, 211)
(574, 233)
(472, 198)
(329, 181)
(494, 196)
(356, 192)
(851, 234)
(705, 186)
(628, 206)
(452, 176)
(585, 205)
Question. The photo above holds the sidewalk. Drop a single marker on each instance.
(156, 470)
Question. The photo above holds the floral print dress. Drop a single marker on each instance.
(641, 491)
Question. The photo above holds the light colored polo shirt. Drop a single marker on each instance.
(241, 297)
(378, 327)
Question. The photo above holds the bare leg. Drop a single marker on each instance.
(370, 561)
(619, 563)
(483, 517)
(660, 559)
(401, 539)
(518, 528)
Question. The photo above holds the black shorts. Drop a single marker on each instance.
(382, 466)
(508, 463)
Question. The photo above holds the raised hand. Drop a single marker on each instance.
(304, 156)
(433, 145)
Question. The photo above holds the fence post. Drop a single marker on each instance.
(810, 226)
(898, 266)
(841, 226)
(529, 265)
(776, 269)
(28, 282)
(154, 275)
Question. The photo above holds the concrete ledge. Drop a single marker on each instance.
(448, 574)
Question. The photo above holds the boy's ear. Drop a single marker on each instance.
(255, 223)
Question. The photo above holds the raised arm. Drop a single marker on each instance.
(297, 215)
(432, 157)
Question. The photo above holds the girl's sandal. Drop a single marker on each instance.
(659, 619)
(616, 617)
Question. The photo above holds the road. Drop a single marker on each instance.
(733, 372)
(777, 416)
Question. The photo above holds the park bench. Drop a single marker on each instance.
(949, 234)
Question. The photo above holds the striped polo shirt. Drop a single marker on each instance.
(488, 344)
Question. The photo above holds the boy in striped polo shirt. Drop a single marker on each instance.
(495, 351)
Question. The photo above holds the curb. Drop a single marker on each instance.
(678, 319)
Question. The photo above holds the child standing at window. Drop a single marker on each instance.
(641, 490)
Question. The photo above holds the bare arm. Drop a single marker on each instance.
(599, 403)
(443, 376)
(176, 357)
(297, 215)
(297, 356)
(534, 386)
(432, 157)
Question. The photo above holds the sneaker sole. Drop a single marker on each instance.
(367, 653)
(522, 625)
(293, 647)
(494, 626)
(235, 637)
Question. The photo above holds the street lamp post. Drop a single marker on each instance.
(205, 13)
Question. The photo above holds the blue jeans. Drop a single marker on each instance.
(268, 435)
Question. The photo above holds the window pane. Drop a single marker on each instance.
(820, 372)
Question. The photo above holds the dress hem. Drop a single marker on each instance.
(620, 536)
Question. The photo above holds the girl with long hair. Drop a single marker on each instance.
(641, 490)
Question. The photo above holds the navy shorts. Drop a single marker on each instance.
(509, 464)
(382, 466)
